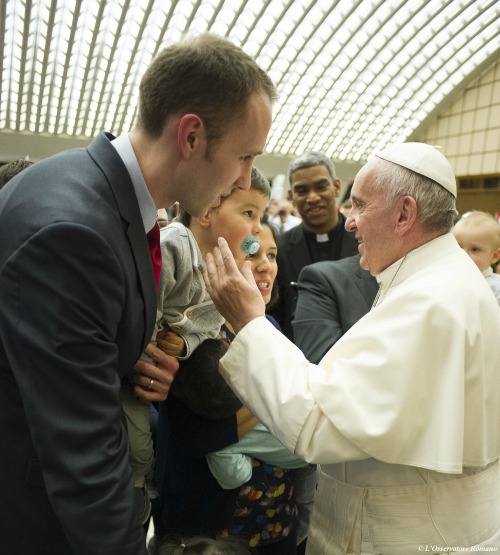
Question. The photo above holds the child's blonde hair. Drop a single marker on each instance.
(485, 219)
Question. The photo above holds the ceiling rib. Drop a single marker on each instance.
(352, 75)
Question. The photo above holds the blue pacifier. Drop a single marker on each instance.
(250, 245)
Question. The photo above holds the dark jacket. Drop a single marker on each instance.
(77, 299)
(293, 255)
(332, 297)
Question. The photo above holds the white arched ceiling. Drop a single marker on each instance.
(353, 76)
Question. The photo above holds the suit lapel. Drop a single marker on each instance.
(365, 282)
(106, 157)
(297, 252)
(140, 252)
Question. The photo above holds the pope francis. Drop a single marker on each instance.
(403, 413)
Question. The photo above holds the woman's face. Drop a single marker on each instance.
(264, 266)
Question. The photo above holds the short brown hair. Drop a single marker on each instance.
(206, 75)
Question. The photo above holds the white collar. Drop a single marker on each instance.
(147, 206)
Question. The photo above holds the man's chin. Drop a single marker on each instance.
(216, 203)
(364, 264)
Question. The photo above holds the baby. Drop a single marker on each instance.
(199, 384)
(478, 233)
(185, 314)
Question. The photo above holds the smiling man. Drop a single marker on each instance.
(314, 187)
(403, 412)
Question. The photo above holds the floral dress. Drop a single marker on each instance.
(262, 511)
(266, 511)
(265, 508)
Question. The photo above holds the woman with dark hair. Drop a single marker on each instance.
(262, 511)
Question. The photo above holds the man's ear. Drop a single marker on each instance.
(290, 195)
(495, 257)
(407, 215)
(190, 134)
(337, 185)
(204, 221)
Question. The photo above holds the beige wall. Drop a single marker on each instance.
(468, 129)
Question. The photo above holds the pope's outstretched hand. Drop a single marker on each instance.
(234, 293)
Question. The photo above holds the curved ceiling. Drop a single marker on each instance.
(352, 76)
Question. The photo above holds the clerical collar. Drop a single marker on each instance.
(325, 246)
(325, 237)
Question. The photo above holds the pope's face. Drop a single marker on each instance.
(372, 221)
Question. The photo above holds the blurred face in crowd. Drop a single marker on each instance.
(480, 240)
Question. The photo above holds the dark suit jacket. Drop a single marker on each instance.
(77, 300)
(293, 255)
(333, 296)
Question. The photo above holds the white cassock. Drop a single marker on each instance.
(402, 414)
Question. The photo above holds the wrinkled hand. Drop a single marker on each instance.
(171, 343)
(152, 382)
(233, 292)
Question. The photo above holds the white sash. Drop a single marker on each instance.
(402, 520)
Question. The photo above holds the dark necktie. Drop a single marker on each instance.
(155, 251)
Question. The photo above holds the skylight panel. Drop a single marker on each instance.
(340, 64)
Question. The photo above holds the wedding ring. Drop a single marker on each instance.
(150, 386)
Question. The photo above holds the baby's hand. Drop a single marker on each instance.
(171, 343)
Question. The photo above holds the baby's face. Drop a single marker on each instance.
(478, 243)
(238, 217)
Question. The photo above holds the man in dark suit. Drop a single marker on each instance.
(321, 235)
(333, 296)
(77, 293)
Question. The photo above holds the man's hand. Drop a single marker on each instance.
(171, 343)
(233, 292)
(153, 381)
